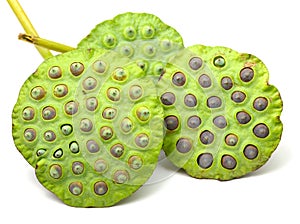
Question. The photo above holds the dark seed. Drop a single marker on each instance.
(194, 122)
(49, 136)
(171, 122)
(204, 81)
(168, 98)
(38, 93)
(231, 139)
(117, 150)
(214, 102)
(30, 134)
(55, 171)
(261, 131)
(243, 117)
(183, 145)
(195, 63)
(178, 79)
(206, 137)
(238, 96)
(246, 74)
(71, 108)
(76, 188)
(76, 68)
(220, 121)
(48, 113)
(92, 146)
(228, 162)
(190, 100)
(251, 152)
(260, 103)
(77, 168)
(106, 133)
(205, 160)
(100, 188)
(226, 83)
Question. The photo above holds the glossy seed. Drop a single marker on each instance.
(55, 72)
(49, 136)
(228, 162)
(99, 66)
(86, 125)
(168, 98)
(91, 103)
(30, 134)
(77, 168)
(171, 122)
(106, 133)
(74, 147)
(178, 79)
(246, 74)
(117, 150)
(100, 188)
(243, 117)
(129, 33)
(121, 176)
(113, 94)
(135, 162)
(226, 83)
(76, 68)
(207, 137)
(71, 108)
(195, 63)
(250, 152)
(126, 125)
(214, 102)
(220, 121)
(231, 139)
(100, 165)
(143, 113)
(28, 113)
(183, 145)
(194, 122)
(204, 81)
(55, 171)
(109, 40)
(238, 96)
(219, 61)
(92, 146)
(109, 113)
(66, 129)
(135, 92)
(89, 83)
(60, 90)
(260, 103)
(38, 93)
(205, 160)
(190, 100)
(49, 113)
(142, 140)
(40, 152)
(148, 31)
(261, 131)
(58, 153)
(76, 188)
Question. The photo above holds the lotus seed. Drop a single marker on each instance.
(183, 145)
(238, 96)
(30, 134)
(226, 83)
(92, 146)
(207, 137)
(135, 92)
(195, 63)
(109, 113)
(228, 162)
(261, 131)
(60, 90)
(58, 153)
(99, 66)
(168, 98)
(106, 133)
(89, 83)
(100, 188)
(260, 103)
(143, 113)
(100, 165)
(113, 94)
(135, 162)
(220, 121)
(194, 122)
(243, 117)
(205, 160)
(76, 188)
(219, 61)
(179, 79)
(76, 68)
(214, 102)
(231, 139)
(55, 171)
(28, 113)
(77, 168)
(142, 140)
(117, 150)
(38, 93)
(204, 81)
(250, 152)
(246, 74)
(190, 100)
(55, 72)
(91, 103)
(86, 125)
(171, 122)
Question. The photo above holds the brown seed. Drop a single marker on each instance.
(55, 171)
(55, 72)
(121, 176)
(261, 131)
(226, 83)
(91, 103)
(142, 140)
(77, 167)
(195, 63)
(38, 93)
(106, 133)
(171, 122)
(109, 113)
(220, 121)
(135, 92)
(231, 139)
(260, 103)
(49, 136)
(113, 94)
(76, 188)
(71, 108)
(30, 134)
(214, 102)
(178, 79)
(243, 117)
(250, 152)
(135, 162)
(207, 137)
(92, 146)
(246, 74)
(28, 113)
(168, 98)
(228, 162)
(86, 125)
(117, 150)
(100, 188)
(76, 68)
(48, 113)
(60, 90)
(194, 122)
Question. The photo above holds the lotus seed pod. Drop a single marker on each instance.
(221, 115)
(140, 36)
(89, 121)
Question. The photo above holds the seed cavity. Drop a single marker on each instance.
(58, 153)
(113, 94)
(238, 96)
(100, 165)
(77, 167)
(168, 98)
(226, 83)
(243, 117)
(49, 136)
(28, 113)
(40, 152)
(100, 188)
(126, 125)
(261, 131)
(129, 33)
(214, 102)
(178, 79)
(166, 45)
(91, 103)
(86, 125)
(38, 93)
(250, 152)
(109, 113)
(127, 50)
(49, 113)
(143, 113)
(204, 81)
(60, 90)
(76, 68)
(219, 61)
(74, 147)
(30, 134)
(71, 108)
(183, 145)
(135, 162)
(92, 146)
(149, 50)
(89, 83)
(106, 133)
(99, 66)
(117, 150)
(171, 122)
(195, 63)
(220, 122)
(142, 140)
(148, 31)
(119, 74)
(194, 122)
(76, 188)
(158, 69)
(205, 160)
(228, 162)
(231, 139)
(246, 74)
(55, 171)
(135, 92)
(260, 103)
(121, 176)
(66, 129)
(190, 100)
(109, 41)
(55, 72)
(207, 137)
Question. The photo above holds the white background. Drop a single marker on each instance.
(267, 29)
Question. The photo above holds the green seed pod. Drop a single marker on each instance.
(239, 110)
(67, 123)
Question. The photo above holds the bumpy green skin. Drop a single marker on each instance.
(149, 42)
(257, 87)
(60, 172)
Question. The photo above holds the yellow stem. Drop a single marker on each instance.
(28, 27)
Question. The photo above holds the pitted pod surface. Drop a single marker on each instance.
(221, 115)
(140, 36)
(89, 121)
